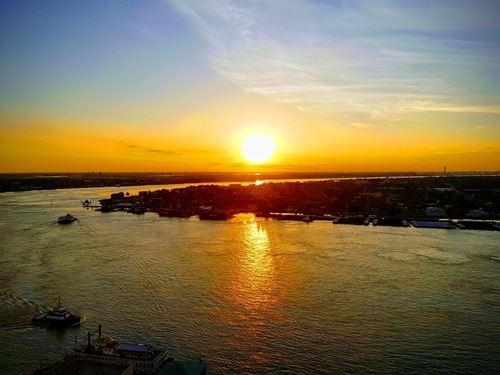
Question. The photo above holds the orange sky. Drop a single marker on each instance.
(177, 87)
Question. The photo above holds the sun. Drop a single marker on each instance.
(258, 148)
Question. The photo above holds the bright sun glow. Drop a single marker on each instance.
(258, 148)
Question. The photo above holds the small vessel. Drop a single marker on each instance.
(58, 316)
(66, 219)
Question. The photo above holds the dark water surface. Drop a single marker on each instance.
(253, 296)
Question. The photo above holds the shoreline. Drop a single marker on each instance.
(14, 182)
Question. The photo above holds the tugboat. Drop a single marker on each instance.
(66, 219)
(58, 317)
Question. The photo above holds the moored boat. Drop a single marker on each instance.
(433, 224)
(105, 355)
(142, 358)
(58, 316)
(215, 215)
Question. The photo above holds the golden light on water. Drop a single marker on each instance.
(257, 269)
(253, 288)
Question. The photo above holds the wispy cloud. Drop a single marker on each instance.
(356, 59)
(361, 125)
(155, 151)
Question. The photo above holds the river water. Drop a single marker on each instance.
(250, 295)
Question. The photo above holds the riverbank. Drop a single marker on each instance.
(44, 181)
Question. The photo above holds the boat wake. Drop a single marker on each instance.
(11, 299)
(496, 258)
(15, 325)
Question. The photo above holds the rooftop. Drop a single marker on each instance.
(134, 347)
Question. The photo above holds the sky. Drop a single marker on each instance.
(177, 85)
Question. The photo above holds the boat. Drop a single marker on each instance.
(433, 224)
(58, 316)
(353, 220)
(215, 215)
(174, 213)
(142, 358)
(105, 355)
(66, 219)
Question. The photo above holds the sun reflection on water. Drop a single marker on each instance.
(253, 291)
(257, 269)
